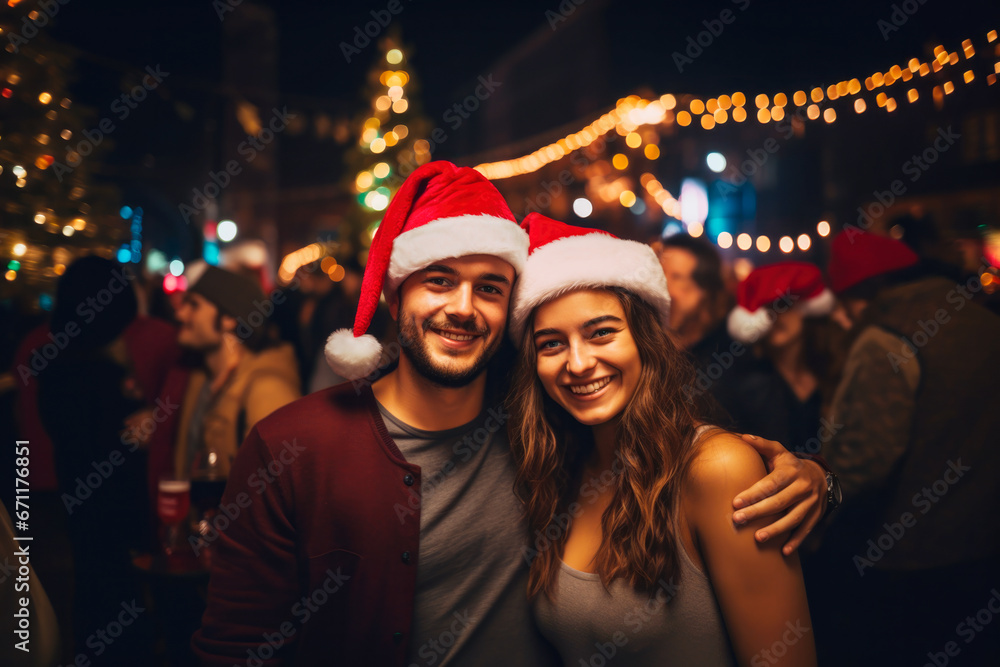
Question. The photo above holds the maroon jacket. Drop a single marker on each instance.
(318, 563)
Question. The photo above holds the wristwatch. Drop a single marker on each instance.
(834, 494)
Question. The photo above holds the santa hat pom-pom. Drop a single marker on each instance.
(821, 304)
(748, 327)
(352, 357)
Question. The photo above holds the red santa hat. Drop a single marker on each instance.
(563, 258)
(440, 211)
(857, 255)
(798, 284)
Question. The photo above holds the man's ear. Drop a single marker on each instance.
(392, 300)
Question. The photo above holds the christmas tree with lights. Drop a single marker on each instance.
(390, 141)
(49, 147)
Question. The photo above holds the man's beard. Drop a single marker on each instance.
(416, 350)
(201, 347)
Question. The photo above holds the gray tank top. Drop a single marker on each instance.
(680, 624)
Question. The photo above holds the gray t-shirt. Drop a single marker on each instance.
(471, 604)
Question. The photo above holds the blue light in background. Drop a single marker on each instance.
(210, 251)
(672, 227)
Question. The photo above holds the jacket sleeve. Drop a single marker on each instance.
(254, 582)
(872, 411)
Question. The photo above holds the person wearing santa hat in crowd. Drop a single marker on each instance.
(375, 521)
(630, 488)
(915, 446)
(782, 313)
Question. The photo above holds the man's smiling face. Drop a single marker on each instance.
(454, 314)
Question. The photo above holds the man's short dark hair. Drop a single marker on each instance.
(708, 268)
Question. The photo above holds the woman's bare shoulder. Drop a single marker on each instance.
(722, 460)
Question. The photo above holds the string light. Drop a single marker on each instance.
(632, 112)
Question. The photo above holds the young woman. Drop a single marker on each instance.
(628, 494)
(782, 315)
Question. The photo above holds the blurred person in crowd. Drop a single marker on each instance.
(698, 297)
(393, 501)
(782, 315)
(151, 347)
(699, 303)
(235, 375)
(598, 388)
(85, 396)
(975, 230)
(916, 450)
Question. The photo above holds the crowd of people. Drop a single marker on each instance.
(502, 442)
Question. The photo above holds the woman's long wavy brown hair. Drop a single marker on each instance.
(654, 437)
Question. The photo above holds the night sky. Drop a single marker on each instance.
(767, 47)
(773, 44)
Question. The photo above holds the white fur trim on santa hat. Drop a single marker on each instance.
(589, 260)
(455, 237)
(819, 305)
(352, 358)
(747, 327)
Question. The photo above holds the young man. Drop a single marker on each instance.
(378, 525)
(240, 379)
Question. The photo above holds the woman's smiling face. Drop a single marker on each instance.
(586, 357)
